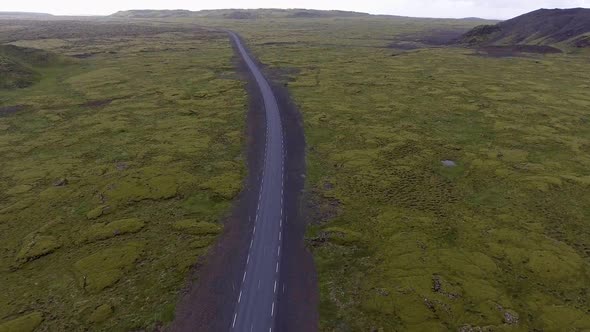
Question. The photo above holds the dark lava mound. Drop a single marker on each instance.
(567, 27)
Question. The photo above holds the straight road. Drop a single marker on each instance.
(256, 303)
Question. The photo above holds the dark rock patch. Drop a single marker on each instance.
(97, 103)
(516, 50)
(7, 110)
(82, 55)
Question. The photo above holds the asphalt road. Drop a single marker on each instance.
(256, 303)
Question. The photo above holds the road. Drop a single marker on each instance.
(256, 302)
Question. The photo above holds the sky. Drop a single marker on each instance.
(499, 9)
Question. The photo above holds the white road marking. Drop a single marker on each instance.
(272, 142)
(272, 311)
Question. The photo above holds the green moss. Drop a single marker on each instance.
(507, 222)
(225, 186)
(96, 212)
(112, 229)
(195, 227)
(135, 129)
(20, 189)
(105, 267)
(101, 313)
(26, 323)
(557, 317)
(36, 246)
(343, 236)
(133, 189)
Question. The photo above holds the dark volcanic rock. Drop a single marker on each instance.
(541, 27)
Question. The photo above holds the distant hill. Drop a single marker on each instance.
(544, 27)
(24, 15)
(237, 13)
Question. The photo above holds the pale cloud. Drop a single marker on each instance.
(423, 8)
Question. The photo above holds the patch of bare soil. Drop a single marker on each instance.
(298, 300)
(7, 110)
(320, 209)
(282, 75)
(426, 39)
(516, 50)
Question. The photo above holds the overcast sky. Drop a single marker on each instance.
(502, 9)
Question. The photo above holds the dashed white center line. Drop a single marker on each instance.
(275, 290)
(244, 278)
(272, 311)
(234, 323)
(240, 297)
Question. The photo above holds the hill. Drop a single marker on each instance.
(18, 65)
(24, 15)
(557, 27)
(237, 13)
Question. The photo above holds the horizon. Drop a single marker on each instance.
(452, 9)
(273, 8)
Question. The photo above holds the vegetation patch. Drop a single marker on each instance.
(36, 246)
(104, 268)
(101, 313)
(497, 242)
(102, 231)
(196, 228)
(107, 153)
(26, 323)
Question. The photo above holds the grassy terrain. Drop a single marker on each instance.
(117, 166)
(501, 241)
